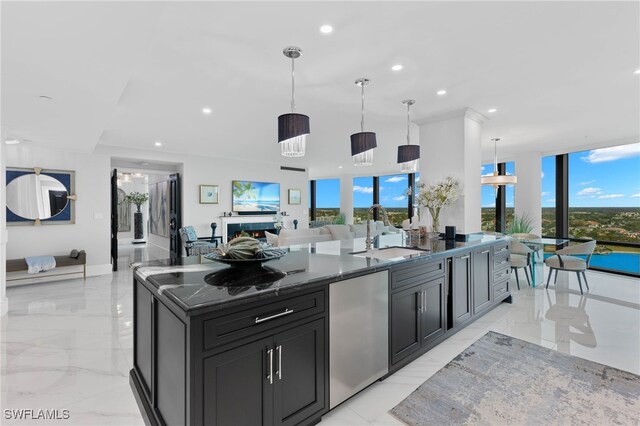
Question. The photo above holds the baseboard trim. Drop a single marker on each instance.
(95, 270)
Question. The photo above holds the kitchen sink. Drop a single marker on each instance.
(389, 253)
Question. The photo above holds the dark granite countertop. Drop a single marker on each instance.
(195, 284)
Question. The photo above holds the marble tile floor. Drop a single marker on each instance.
(68, 345)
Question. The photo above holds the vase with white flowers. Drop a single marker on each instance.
(437, 195)
(278, 222)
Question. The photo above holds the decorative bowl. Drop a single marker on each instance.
(261, 257)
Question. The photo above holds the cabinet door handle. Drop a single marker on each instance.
(270, 376)
(286, 311)
(484, 251)
(279, 349)
(419, 295)
(466, 256)
(424, 301)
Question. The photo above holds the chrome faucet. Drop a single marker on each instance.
(385, 218)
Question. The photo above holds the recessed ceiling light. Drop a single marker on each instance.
(207, 110)
(637, 71)
(441, 92)
(492, 110)
(12, 141)
(397, 67)
(339, 167)
(158, 143)
(326, 29)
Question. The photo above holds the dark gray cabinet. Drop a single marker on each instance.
(461, 276)
(405, 323)
(274, 381)
(432, 318)
(418, 312)
(482, 262)
(262, 363)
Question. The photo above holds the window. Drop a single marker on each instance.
(548, 196)
(488, 201)
(510, 198)
(393, 196)
(489, 196)
(604, 204)
(327, 199)
(362, 198)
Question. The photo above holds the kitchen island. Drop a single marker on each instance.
(221, 345)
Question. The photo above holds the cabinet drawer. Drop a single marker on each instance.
(501, 261)
(416, 274)
(500, 289)
(219, 331)
(502, 274)
(500, 248)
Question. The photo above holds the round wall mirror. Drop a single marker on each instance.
(35, 196)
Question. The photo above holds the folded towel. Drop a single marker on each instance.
(40, 263)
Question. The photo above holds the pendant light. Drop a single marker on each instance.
(408, 155)
(293, 128)
(363, 143)
(496, 179)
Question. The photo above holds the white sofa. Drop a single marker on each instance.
(289, 237)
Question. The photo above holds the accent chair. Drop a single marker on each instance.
(567, 259)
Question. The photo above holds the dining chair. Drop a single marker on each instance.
(567, 259)
(521, 258)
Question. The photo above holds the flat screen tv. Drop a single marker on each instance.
(255, 197)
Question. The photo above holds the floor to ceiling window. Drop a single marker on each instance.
(488, 199)
(362, 197)
(548, 195)
(393, 196)
(604, 204)
(327, 200)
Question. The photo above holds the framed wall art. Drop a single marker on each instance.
(295, 196)
(208, 194)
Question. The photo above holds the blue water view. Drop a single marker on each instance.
(618, 261)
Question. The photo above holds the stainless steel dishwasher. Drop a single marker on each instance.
(358, 334)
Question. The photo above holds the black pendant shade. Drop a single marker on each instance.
(363, 141)
(291, 125)
(408, 153)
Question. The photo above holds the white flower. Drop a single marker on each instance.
(439, 194)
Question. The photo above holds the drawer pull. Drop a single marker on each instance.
(270, 375)
(287, 311)
(502, 249)
(464, 257)
(484, 252)
(503, 290)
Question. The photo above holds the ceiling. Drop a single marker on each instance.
(128, 74)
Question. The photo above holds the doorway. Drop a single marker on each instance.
(153, 226)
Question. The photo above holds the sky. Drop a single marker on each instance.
(607, 177)
(392, 191)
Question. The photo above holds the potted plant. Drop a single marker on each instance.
(138, 199)
(436, 196)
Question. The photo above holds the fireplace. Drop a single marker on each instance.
(255, 230)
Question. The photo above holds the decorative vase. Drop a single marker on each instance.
(435, 219)
(137, 225)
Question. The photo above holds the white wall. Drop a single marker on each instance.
(198, 170)
(450, 146)
(91, 231)
(528, 199)
(3, 234)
